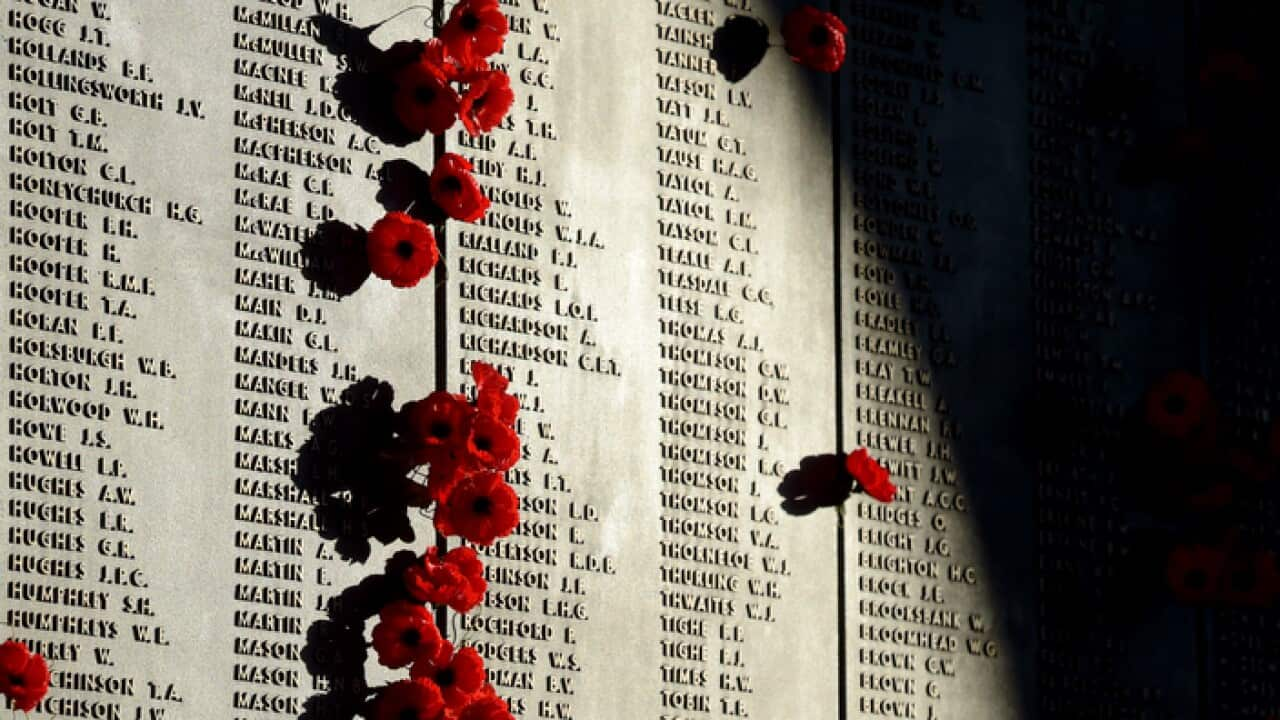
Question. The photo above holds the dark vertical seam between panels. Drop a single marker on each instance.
(1033, 687)
(1201, 648)
(441, 306)
(837, 163)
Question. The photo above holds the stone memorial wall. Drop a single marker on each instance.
(699, 289)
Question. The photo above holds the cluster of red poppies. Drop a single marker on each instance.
(401, 248)
(1209, 483)
(468, 447)
(814, 38)
(24, 676)
(870, 475)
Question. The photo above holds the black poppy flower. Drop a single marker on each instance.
(402, 249)
(455, 190)
(425, 102)
(404, 632)
(459, 675)
(481, 509)
(475, 30)
(486, 102)
(814, 38)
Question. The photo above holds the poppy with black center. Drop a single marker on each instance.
(486, 102)
(404, 631)
(480, 508)
(459, 676)
(491, 445)
(1194, 574)
(24, 676)
(401, 249)
(455, 190)
(434, 423)
(424, 101)
(814, 38)
(1178, 406)
(475, 30)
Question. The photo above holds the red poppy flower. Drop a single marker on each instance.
(443, 476)
(491, 445)
(459, 676)
(455, 189)
(471, 592)
(492, 397)
(486, 705)
(24, 676)
(871, 477)
(475, 30)
(1216, 496)
(436, 54)
(457, 580)
(486, 102)
(1228, 69)
(402, 249)
(435, 424)
(1178, 405)
(404, 632)
(814, 38)
(425, 102)
(1253, 582)
(410, 700)
(482, 508)
(1195, 574)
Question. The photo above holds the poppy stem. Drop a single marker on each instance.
(402, 12)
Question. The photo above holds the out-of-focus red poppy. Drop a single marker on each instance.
(1178, 406)
(1195, 574)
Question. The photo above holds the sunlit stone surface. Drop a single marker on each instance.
(697, 288)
